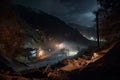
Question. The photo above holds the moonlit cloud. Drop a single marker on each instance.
(70, 11)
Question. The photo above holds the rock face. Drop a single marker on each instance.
(105, 68)
(31, 37)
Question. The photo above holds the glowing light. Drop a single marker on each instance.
(95, 55)
(60, 46)
(72, 53)
(33, 53)
(41, 53)
(91, 38)
(57, 45)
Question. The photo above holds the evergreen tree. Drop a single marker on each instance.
(109, 19)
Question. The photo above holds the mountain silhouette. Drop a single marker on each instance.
(51, 25)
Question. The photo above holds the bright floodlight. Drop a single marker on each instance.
(40, 53)
(72, 53)
(60, 46)
(33, 53)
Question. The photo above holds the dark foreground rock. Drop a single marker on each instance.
(106, 68)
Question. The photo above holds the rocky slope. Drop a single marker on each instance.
(105, 68)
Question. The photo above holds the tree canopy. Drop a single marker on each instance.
(109, 19)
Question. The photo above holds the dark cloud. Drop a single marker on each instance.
(80, 5)
(70, 11)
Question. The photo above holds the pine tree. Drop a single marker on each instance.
(109, 19)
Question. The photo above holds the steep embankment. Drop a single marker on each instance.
(105, 68)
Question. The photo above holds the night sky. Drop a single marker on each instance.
(70, 11)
